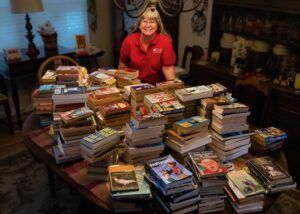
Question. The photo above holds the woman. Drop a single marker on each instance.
(149, 49)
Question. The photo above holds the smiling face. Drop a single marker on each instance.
(148, 27)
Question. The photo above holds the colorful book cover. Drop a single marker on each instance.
(103, 92)
(171, 106)
(142, 87)
(269, 169)
(100, 135)
(76, 113)
(144, 189)
(246, 184)
(270, 134)
(116, 106)
(168, 170)
(192, 122)
(159, 97)
(122, 178)
(208, 163)
(148, 117)
(70, 90)
(46, 88)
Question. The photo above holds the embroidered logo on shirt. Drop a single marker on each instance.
(157, 50)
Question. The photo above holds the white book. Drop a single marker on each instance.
(194, 93)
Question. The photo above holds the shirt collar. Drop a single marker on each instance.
(154, 41)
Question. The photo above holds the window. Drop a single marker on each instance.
(69, 17)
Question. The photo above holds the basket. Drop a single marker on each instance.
(50, 41)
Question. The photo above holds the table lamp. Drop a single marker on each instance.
(28, 6)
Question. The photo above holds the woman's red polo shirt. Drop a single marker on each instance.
(149, 62)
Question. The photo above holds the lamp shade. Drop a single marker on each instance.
(28, 6)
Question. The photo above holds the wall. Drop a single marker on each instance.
(103, 38)
(186, 35)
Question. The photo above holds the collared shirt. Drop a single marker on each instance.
(149, 62)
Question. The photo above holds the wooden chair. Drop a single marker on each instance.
(5, 103)
(52, 63)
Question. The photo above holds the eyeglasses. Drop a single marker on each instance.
(150, 22)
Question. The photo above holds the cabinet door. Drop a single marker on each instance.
(290, 5)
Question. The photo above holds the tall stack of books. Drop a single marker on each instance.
(270, 175)
(190, 97)
(127, 91)
(114, 114)
(244, 193)
(188, 135)
(126, 77)
(207, 105)
(42, 100)
(68, 75)
(103, 96)
(100, 78)
(66, 99)
(74, 126)
(143, 142)
(172, 185)
(99, 145)
(267, 139)
(210, 173)
(138, 92)
(128, 200)
(170, 85)
(228, 120)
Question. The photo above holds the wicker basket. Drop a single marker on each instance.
(50, 41)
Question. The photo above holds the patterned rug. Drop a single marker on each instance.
(24, 188)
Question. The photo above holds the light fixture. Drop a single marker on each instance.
(135, 8)
(28, 6)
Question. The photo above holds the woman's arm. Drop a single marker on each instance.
(169, 72)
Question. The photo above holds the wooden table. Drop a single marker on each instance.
(26, 67)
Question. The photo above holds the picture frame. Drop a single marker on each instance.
(80, 41)
(12, 54)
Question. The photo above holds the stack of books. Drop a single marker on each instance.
(270, 175)
(114, 114)
(129, 191)
(99, 145)
(207, 105)
(210, 173)
(190, 97)
(267, 139)
(103, 96)
(138, 92)
(75, 125)
(100, 78)
(98, 171)
(218, 89)
(244, 193)
(66, 99)
(151, 99)
(227, 120)
(188, 135)
(172, 185)
(126, 77)
(170, 85)
(142, 144)
(42, 101)
(68, 75)
(49, 77)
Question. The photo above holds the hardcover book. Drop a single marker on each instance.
(246, 184)
(122, 178)
(167, 170)
(208, 164)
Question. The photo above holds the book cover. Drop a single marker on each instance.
(167, 107)
(217, 88)
(144, 189)
(159, 97)
(168, 170)
(231, 108)
(192, 122)
(70, 90)
(208, 163)
(194, 90)
(246, 184)
(76, 114)
(100, 135)
(116, 107)
(105, 92)
(270, 134)
(141, 87)
(122, 178)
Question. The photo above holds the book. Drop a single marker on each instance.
(194, 93)
(122, 178)
(190, 125)
(76, 114)
(127, 73)
(70, 90)
(270, 134)
(217, 88)
(105, 92)
(208, 164)
(170, 85)
(168, 171)
(168, 107)
(144, 189)
(231, 108)
(233, 135)
(208, 103)
(246, 184)
(115, 108)
(158, 97)
(151, 119)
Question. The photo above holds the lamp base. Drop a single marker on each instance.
(32, 51)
